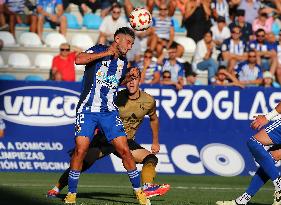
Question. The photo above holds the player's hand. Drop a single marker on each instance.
(259, 122)
(155, 148)
(134, 73)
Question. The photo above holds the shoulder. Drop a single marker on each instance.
(147, 97)
(97, 49)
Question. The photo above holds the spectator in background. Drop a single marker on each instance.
(191, 78)
(150, 71)
(224, 78)
(252, 7)
(205, 56)
(196, 18)
(263, 21)
(278, 50)
(63, 63)
(173, 66)
(134, 55)
(3, 24)
(110, 24)
(16, 13)
(166, 80)
(51, 11)
(268, 79)
(177, 4)
(267, 57)
(220, 31)
(249, 72)
(2, 128)
(233, 50)
(220, 8)
(277, 82)
(246, 28)
(163, 31)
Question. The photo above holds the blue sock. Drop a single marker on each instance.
(134, 176)
(263, 158)
(73, 178)
(257, 182)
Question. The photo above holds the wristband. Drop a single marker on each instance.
(269, 116)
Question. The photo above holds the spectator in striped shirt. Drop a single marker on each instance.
(173, 66)
(233, 50)
(15, 11)
(267, 57)
(220, 8)
(249, 72)
(150, 71)
(163, 29)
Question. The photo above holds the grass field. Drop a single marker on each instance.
(109, 189)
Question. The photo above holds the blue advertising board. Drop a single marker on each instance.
(203, 129)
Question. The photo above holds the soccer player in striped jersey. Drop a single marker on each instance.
(268, 136)
(133, 105)
(105, 69)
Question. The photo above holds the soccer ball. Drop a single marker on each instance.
(140, 19)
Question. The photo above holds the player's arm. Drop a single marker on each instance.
(154, 124)
(88, 57)
(262, 120)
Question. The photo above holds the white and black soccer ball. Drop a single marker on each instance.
(140, 19)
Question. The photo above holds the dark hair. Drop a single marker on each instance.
(221, 67)
(130, 68)
(115, 5)
(126, 31)
(209, 32)
(173, 45)
(166, 71)
(259, 30)
(148, 51)
(235, 26)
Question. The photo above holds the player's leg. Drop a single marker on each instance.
(113, 129)
(258, 180)
(84, 130)
(92, 155)
(148, 173)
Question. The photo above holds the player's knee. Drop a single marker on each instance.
(151, 158)
(124, 152)
(80, 152)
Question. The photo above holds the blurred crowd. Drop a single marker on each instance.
(238, 42)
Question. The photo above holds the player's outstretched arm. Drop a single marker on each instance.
(88, 57)
(262, 120)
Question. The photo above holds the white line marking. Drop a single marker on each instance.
(116, 187)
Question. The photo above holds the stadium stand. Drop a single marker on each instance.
(54, 39)
(34, 78)
(30, 39)
(72, 21)
(19, 60)
(43, 61)
(92, 21)
(8, 38)
(7, 77)
(81, 40)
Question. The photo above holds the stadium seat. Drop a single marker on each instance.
(19, 60)
(30, 39)
(54, 40)
(177, 26)
(7, 77)
(83, 41)
(7, 38)
(188, 43)
(43, 61)
(72, 21)
(92, 21)
(34, 78)
(2, 64)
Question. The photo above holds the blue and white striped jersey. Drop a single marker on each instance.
(100, 82)
(229, 45)
(176, 70)
(259, 47)
(162, 27)
(246, 73)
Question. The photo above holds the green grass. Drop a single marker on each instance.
(109, 189)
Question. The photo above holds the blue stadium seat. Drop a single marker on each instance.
(177, 26)
(72, 21)
(92, 21)
(34, 78)
(7, 77)
(47, 24)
